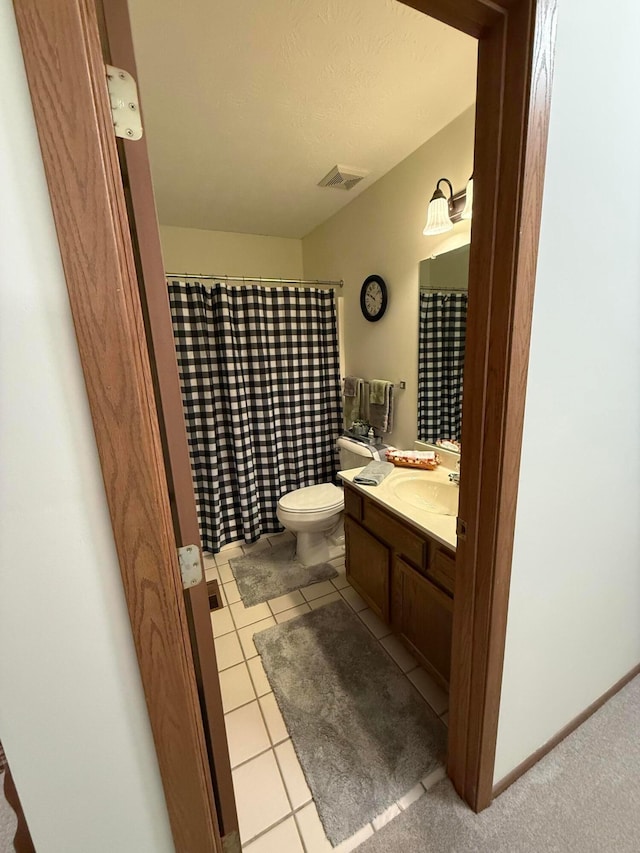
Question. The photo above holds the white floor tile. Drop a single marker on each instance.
(312, 831)
(377, 627)
(211, 574)
(353, 599)
(385, 817)
(259, 676)
(285, 602)
(221, 622)
(260, 796)
(283, 838)
(225, 573)
(325, 599)
(411, 796)
(317, 589)
(208, 560)
(430, 691)
(231, 592)
(291, 614)
(246, 733)
(246, 636)
(243, 616)
(228, 552)
(340, 582)
(401, 656)
(294, 780)
(236, 687)
(434, 777)
(228, 650)
(273, 718)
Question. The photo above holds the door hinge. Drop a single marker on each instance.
(461, 529)
(125, 105)
(231, 843)
(190, 565)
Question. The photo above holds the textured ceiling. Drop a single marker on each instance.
(249, 103)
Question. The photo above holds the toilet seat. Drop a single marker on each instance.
(309, 499)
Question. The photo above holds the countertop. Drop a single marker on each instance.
(440, 527)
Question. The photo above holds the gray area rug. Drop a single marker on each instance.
(274, 572)
(583, 797)
(363, 734)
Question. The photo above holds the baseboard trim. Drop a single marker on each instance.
(533, 759)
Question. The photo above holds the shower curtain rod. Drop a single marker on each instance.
(298, 281)
(442, 290)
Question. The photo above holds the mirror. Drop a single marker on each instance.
(441, 342)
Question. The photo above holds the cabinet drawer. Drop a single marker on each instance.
(442, 569)
(397, 535)
(352, 503)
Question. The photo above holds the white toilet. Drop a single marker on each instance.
(314, 513)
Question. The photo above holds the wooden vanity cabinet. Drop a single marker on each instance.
(423, 618)
(406, 578)
(368, 567)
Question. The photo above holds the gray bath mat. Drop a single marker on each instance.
(275, 571)
(362, 733)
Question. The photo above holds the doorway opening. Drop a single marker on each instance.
(264, 198)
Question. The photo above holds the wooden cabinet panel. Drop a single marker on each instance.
(368, 567)
(442, 569)
(424, 619)
(352, 503)
(397, 535)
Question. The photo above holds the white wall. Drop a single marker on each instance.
(191, 250)
(380, 232)
(72, 716)
(574, 611)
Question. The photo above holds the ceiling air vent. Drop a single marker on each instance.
(343, 177)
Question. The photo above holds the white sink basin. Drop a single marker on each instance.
(439, 498)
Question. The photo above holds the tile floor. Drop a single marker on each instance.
(275, 807)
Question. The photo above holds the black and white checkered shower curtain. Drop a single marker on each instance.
(443, 322)
(260, 381)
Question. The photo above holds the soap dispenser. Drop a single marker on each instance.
(371, 435)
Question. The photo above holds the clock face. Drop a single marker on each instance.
(373, 298)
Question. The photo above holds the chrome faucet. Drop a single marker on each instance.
(454, 476)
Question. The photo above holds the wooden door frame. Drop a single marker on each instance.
(516, 41)
(63, 60)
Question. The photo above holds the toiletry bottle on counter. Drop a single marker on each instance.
(371, 435)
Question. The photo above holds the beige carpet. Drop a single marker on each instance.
(584, 797)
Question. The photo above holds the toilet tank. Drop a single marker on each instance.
(353, 454)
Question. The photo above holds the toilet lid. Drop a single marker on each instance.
(313, 498)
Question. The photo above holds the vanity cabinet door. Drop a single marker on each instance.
(423, 616)
(368, 567)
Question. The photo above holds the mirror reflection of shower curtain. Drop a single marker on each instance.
(443, 322)
(260, 379)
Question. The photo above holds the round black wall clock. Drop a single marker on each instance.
(373, 298)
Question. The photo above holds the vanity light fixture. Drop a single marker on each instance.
(443, 212)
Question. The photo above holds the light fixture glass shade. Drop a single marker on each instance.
(438, 220)
(468, 205)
